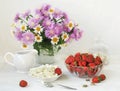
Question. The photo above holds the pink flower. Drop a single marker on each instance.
(76, 34)
(33, 22)
(17, 17)
(26, 14)
(18, 35)
(28, 38)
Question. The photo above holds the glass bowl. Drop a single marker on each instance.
(84, 64)
(84, 72)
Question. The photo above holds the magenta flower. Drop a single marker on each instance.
(17, 17)
(47, 23)
(28, 38)
(44, 10)
(49, 33)
(18, 35)
(66, 29)
(76, 34)
(45, 7)
(65, 16)
(26, 14)
(33, 22)
(54, 29)
(58, 29)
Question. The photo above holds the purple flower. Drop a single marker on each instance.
(53, 30)
(47, 23)
(66, 29)
(17, 17)
(57, 14)
(26, 14)
(39, 15)
(27, 38)
(44, 10)
(38, 12)
(33, 22)
(45, 7)
(65, 16)
(76, 34)
(49, 33)
(18, 35)
(58, 29)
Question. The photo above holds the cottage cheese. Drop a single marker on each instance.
(44, 71)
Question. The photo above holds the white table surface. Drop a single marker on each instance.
(9, 78)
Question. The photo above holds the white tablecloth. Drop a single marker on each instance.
(9, 78)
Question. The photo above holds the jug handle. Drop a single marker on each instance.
(7, 60)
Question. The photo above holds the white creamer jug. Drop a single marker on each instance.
(22, 60)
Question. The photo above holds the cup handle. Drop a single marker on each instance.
(7, 60)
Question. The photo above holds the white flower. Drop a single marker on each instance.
(54, 40)
(24, 46)
(70, 25)
(38, 38)
(23, 27)
(51, 10)
(38, 29)
(65, 36)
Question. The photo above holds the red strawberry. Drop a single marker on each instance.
(73, 63)
(102, 76)
(70, 68)
(92, 65)
(77, 54)
(90, 58)
(90, 72)
(79, 63)
(23, 83)
(98, 60)
(78, 70)
(95, 79)
(84, 56)
(84, 63)
(77, 58)
(58, 71)
(85, 69)
(69, 59)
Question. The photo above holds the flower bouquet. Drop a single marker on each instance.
(46, 29)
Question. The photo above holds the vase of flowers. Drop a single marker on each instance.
(47, 29)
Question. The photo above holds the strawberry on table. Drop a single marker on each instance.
(96, 79)
(23, 83)
(102, 76)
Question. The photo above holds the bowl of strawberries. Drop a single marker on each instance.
(84, 65)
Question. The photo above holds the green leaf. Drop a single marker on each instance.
(37, 47)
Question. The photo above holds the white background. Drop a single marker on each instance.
(98, 18)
